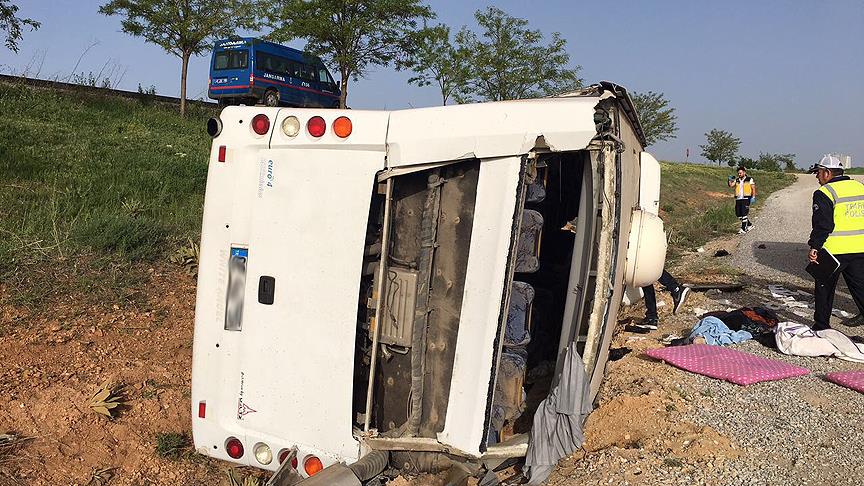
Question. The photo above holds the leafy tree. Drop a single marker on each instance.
(720, 146)
(746, 162)
(509, 61)
(352, 35)
(657, 117)
(12, 24)
(436, 61)
(768, 162)
(788, 161)
(184, 28)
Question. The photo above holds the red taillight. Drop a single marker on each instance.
(222, 153)
(284, 455)
(202, 409)
(312, 465)
(316, 126)
(251, 79)
(234, 448)
(342, 127)
(261, 124)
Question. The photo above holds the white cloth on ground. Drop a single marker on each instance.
(799, 340)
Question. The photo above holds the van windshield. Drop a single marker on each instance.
(231, 60)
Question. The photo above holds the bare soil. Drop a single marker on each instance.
(55, 360)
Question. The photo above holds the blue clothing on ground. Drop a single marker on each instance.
(716, 332)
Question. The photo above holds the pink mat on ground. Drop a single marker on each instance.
(849, 379)
(726, 364)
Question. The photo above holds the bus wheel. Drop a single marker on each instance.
(271, 98)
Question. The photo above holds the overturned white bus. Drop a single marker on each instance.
(411, 281)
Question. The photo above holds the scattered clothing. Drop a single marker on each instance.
(799, 340)
(850, 379)
(717, 333)
(758, 321)
(726, 364)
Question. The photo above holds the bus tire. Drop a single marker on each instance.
(271, 98)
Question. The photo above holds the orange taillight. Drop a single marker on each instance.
(312, 465)
(342, 127)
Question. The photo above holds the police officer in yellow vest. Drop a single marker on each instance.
(838, 226)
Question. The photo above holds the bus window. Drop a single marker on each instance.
(231, 60)
(324, 76)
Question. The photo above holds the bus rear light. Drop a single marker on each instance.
(222, 151)
(261, 124)
(263, 454)
(312, 465)
(284, 454)
(316, 126)
(202, 409)
(342, 127)
(291, 126)
(251, 79)
(234, 448)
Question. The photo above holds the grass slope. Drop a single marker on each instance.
(697, 204)
(101, 181)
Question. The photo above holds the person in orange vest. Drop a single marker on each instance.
(745, 195)
(838, 226)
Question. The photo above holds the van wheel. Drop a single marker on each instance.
(271, 98)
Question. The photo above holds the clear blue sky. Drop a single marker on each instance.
(783, 75)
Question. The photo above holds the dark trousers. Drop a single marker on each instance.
(742, 210)
(668, 282)
(852, 268)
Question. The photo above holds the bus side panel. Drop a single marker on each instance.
(477, 343)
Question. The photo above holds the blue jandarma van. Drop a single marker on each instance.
(249, 71)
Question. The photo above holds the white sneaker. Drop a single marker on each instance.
(741, 231)
(749, 228)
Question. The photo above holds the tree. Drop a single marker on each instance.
(788, 161)
(656, 116)
(720, 146)
(12, 24)
(349, 34)
(436, 61)
(184, 28)
(746, 162)
(509, 61)
(768, 162)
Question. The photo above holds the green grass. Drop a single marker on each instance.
(696, 203)
(98, 182)
(171, 445)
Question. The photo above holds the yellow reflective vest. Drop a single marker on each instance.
(848, 200)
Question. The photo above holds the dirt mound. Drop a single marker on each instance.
(645, 422)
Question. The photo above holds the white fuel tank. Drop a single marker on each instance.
(646, 250)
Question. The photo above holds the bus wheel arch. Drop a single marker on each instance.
(271, 97)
